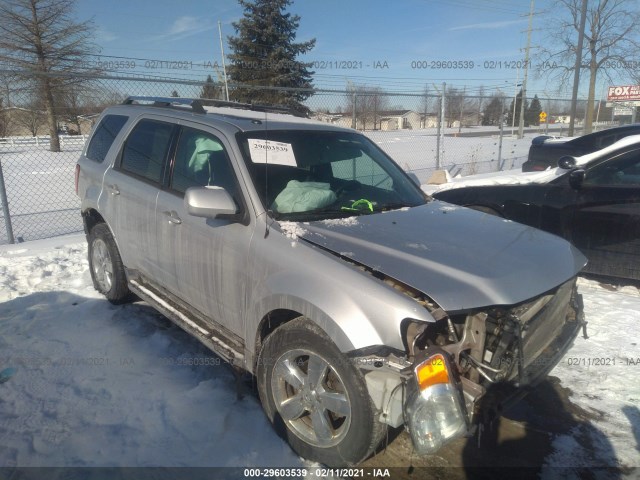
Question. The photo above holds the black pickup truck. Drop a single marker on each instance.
(546, 150)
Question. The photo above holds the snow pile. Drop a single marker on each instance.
(103, 385)
(347, 222)
(292, 230)
(506, 177)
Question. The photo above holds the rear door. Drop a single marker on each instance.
(203, 261)
(606, 222)
(132, 187)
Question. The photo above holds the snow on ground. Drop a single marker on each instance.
(415, 150)
(99, 385)
(604, 374)
(40, 191)
(103, 385)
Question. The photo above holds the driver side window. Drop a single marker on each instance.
(201, 160)
(623, 170)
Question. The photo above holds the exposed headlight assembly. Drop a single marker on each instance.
(435, 412)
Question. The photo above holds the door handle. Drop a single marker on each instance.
(113, 189)
(173, 217)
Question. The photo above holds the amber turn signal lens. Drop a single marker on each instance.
(432, 371)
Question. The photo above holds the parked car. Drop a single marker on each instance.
(593, 201)
(301, 253)
(546, 150)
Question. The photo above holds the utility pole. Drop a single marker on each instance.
(578, 65)
(440, 135)
(604, 89)
(515, 103)
(526, 70)
(464, 94)
(354, 99)
(501, 134)
(224, 67)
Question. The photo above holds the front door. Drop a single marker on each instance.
(203, 261)
(606, 222)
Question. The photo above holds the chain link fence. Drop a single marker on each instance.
(37, 185)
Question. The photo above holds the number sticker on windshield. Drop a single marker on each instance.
(267, 151)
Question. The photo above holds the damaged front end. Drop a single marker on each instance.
(451, 363)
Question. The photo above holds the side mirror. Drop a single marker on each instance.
(567, 162)
(576, 178)
(209, 202)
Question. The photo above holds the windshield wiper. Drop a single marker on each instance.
(313, 215)
(394, 206)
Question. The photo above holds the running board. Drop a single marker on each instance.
(224, 347)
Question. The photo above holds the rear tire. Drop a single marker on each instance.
(315, 397)
(105, 265)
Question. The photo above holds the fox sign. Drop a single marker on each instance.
(627, 93)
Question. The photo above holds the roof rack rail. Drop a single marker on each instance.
(256, 107)
(198, 104)
(194, 103)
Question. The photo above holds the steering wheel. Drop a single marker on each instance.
(348, 186)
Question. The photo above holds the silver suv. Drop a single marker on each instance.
(301, 253)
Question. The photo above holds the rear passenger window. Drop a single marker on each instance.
(146, 149)
(103, 137)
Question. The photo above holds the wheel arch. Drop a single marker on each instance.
(90, 218)
(279, 314)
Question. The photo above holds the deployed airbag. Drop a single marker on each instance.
(303, 196)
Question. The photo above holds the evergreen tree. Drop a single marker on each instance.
(533, 112)
(264, 55)
(517, 111)
(210, 89)
(175, 94)
(493, 111)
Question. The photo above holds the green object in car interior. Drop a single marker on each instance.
(359, 206)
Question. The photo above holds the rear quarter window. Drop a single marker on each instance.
(104, 135)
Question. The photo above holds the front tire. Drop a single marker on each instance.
(105, 265)
(315, 397)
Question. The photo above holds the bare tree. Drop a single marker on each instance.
(457, 104)
(425, 104)
(29, 117)
(611, 41)
(481, 95)
(370, 102)
(42, 43)
(4, 123)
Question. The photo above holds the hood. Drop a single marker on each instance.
(461, 258)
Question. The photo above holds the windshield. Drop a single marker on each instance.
(314, 175)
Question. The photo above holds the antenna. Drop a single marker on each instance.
(266, 175)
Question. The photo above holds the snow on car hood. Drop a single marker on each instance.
(505, 177)
(518, 177)
(459, 257)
